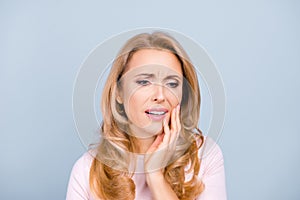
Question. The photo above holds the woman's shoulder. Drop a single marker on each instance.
(78, 187)
(82, 166)
(211, 155)
(212, 171)
(209, 149)
(84, 161)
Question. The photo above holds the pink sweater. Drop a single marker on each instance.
(211, 173)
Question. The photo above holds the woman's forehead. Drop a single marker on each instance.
(151, 59)
(154, 71)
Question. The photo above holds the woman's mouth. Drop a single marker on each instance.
(156, 114)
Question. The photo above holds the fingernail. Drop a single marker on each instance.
(178, 107)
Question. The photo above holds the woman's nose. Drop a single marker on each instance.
(158, 94)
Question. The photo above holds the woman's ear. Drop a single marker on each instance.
(118, 97)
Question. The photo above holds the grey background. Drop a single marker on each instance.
(255, 45)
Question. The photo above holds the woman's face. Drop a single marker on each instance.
(150, 88)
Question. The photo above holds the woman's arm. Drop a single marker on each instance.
(159, 187)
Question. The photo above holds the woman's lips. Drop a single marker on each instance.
(156, 114)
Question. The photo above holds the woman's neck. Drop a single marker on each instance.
(142, 139)
(143, 144)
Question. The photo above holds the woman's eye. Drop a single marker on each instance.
(143, 82)
(173, 84)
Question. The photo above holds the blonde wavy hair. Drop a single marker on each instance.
(110, 177)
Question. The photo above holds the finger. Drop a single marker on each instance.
(178, 119)
(158, 140)
(173, 129)
(167, 132)
(173, 120)
(176, 132)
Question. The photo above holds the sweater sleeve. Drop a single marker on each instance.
(213, 173)
(78, 187)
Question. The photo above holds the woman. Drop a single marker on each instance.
(150, 140)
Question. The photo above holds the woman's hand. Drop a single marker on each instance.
(161, 151)
(159, 155)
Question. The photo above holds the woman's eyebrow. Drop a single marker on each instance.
(145, 74)
(172, 77)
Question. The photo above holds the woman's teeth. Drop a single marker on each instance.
(156, 112)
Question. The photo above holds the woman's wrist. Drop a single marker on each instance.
(159, 187)
(154, 178)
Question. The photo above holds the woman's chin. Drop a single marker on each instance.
(149, 131)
